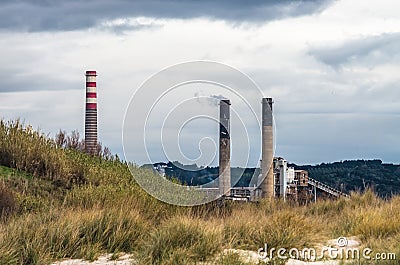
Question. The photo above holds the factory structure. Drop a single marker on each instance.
(276, 179)
(295, 185)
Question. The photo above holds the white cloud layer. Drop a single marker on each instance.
(333, 74)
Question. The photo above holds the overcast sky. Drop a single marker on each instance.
(332, 67)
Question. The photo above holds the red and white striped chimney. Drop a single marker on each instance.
(91, 112)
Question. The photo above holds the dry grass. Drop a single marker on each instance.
(180, 240)
(181, 237)
(40, 238)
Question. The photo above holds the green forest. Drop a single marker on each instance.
(357, 175)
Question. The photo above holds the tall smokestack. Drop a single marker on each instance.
(224, 148)
(91, 112)
(267, 173)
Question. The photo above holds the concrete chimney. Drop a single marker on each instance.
(267, 173)
(91, 112)
(224, 148)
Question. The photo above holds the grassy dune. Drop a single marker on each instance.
(59, 203)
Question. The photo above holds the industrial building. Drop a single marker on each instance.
(296, 185)
(276, 179)
(290, 185)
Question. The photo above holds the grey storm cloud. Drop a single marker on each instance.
(47, 15)
(14, 81)
(369, 51)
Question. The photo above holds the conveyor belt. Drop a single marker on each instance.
(326, 188)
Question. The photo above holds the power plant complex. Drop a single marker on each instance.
(276, 179)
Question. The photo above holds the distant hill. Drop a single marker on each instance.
(348, 175)
(194, 175)
(357, 175)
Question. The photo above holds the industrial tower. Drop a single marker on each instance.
(91, 113)
(224, 148)
(267, 172)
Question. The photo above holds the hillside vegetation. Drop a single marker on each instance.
(57, 202)
(358, 175)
